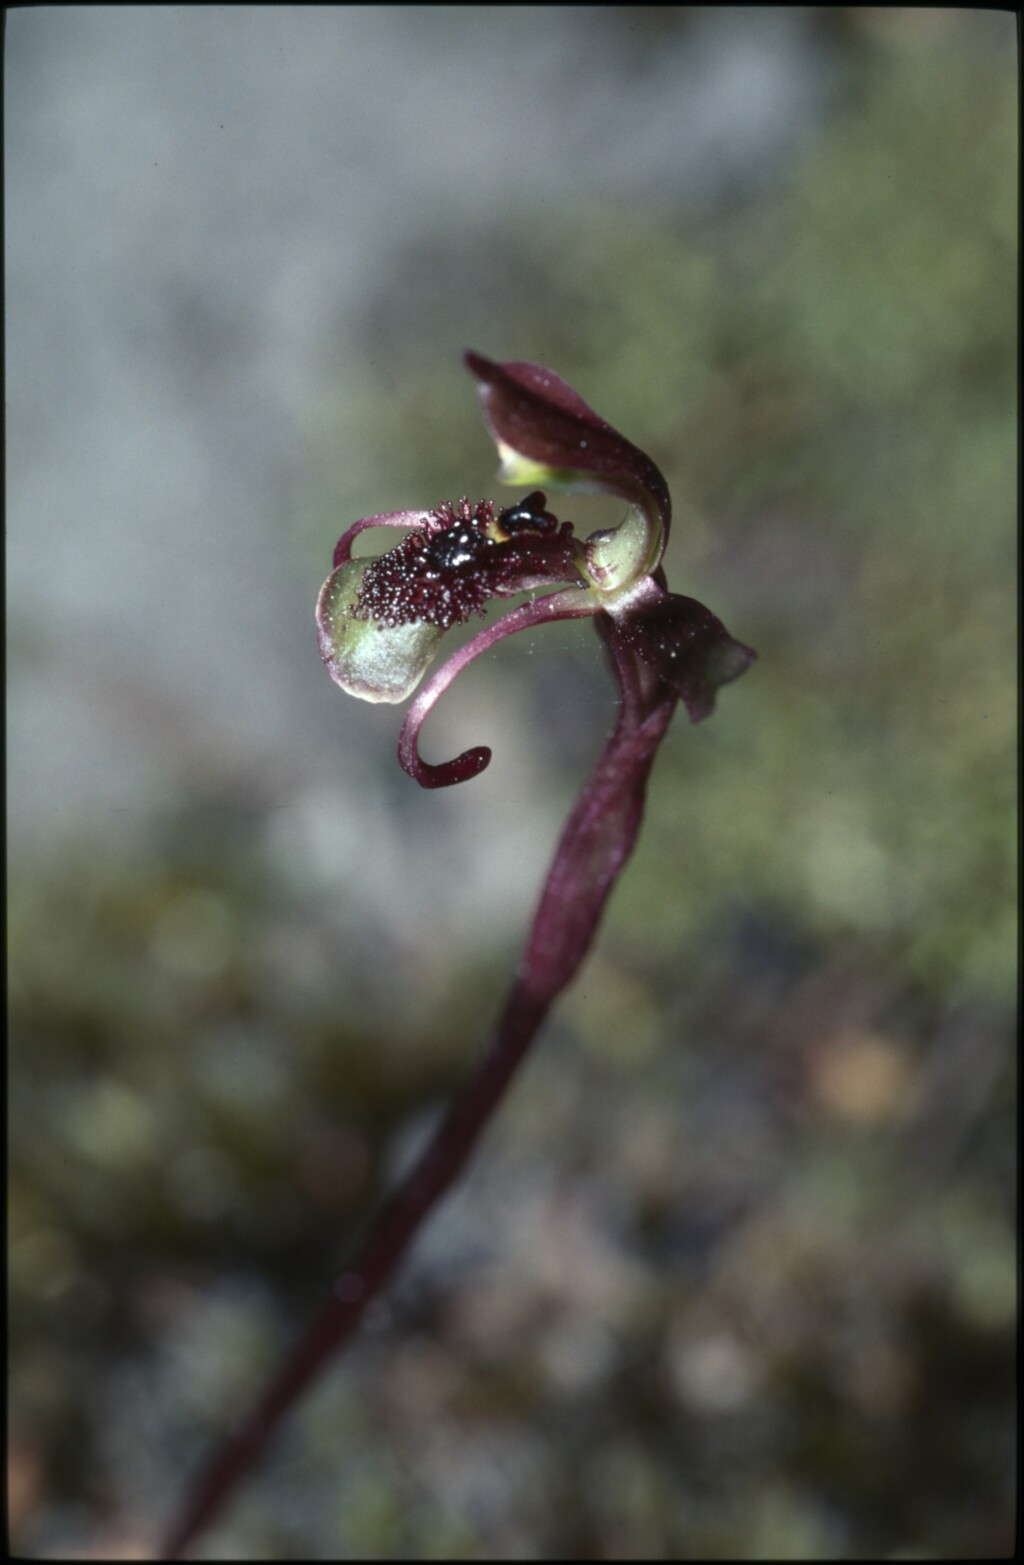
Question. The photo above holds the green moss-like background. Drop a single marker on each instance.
(733, 1275)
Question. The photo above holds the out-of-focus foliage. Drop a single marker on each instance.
(733, 1276)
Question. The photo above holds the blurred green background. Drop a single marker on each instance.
(733, 1274)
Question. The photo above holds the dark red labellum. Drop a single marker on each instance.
(433, 576)
(444, 573)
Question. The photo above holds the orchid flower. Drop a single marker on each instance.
(380, 623)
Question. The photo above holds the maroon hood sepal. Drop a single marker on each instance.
(533, 411)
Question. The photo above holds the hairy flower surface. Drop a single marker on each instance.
(381, 620)
(449, 570)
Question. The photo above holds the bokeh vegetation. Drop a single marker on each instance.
(734, 1274)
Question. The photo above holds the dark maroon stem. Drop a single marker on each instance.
(595, 844)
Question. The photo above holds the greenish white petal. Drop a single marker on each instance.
(372, 661)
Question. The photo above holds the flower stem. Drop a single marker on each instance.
(595, 845)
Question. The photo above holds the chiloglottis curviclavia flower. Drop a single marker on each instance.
(380, 622)
(381, 619)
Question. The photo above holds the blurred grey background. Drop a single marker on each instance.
(222, 225)
(733, 1276)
